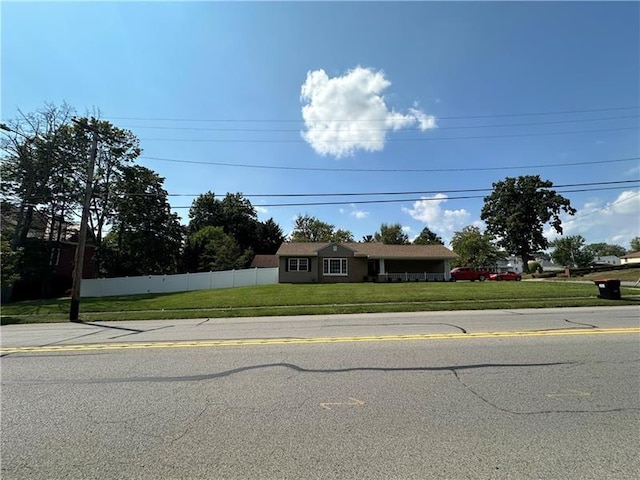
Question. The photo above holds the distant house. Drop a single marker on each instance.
(630, 258)
(606, 260)
(332, 262)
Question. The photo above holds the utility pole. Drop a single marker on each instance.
(82, 235)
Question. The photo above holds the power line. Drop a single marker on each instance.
(460, 117)
(617, 202)
(403, 200)
(360, 142)
(385, 170)
(296, 130)
(373, 194)
(370, 194)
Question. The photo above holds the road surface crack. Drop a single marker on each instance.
(534, 412)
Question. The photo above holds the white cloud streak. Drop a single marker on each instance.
(615, 222)
(348, 113)
(429, 211)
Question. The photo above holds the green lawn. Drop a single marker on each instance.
(284, 299)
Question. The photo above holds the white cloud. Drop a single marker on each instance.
(348, 113)
(429, 211)
(359, 214)
(406, 229)
(260, 209)
(614, 222)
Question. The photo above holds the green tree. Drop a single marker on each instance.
(310, 229)
(517, 210)
(211, 249)
(205, 211)
(146, 237)
(571, 252)
(44, 176)
(427, 237)
(269, 237)
(117, 148)
(342, 235)
(10, 260)
(234, 213)
(38, 170)
(476, 249)
(634, 245)
(391, 235)
(240, 219)
(605, 249)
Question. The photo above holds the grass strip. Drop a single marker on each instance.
(282, 299)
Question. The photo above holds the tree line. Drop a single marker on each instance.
(133, 231)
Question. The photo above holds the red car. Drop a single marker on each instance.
(506, 276)
(468, 273)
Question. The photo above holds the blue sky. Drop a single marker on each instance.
(331, 97)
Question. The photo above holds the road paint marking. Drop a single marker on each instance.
(353, 402)
(314, 340)
(567, 393)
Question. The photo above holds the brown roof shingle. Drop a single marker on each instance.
(371, 250)
(264, 261)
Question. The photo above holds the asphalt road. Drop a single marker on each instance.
(522, 394)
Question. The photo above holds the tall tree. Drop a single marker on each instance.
(234, 213)
(571, 252)
(116, 149)
(269, 237)
(634, 245)
(476, 249)
(427, 237)
(146, 237)
(240, 219)
(211, 249)
(391, 235)
(517, 210)
(205, 211)
(44, 173)
(342, 235)
(605, 249)
(310, 229)
(37, 171)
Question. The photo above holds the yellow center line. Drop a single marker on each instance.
(315, 340)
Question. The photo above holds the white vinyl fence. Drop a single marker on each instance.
(104, 287)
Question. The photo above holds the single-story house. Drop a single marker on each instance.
(332, 262)
(633, 257)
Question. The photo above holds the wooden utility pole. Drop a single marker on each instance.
(82, 235)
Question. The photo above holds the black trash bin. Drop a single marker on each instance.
(608, 288)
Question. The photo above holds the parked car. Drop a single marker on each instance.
(468, 273)
(506, 276)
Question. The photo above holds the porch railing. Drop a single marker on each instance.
(412, 277)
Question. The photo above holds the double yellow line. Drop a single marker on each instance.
(306, 341)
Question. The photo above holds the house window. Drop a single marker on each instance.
(298, 264)
(334, 266)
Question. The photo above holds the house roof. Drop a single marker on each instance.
(632, 255)
(370, 250)
(264, 261)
